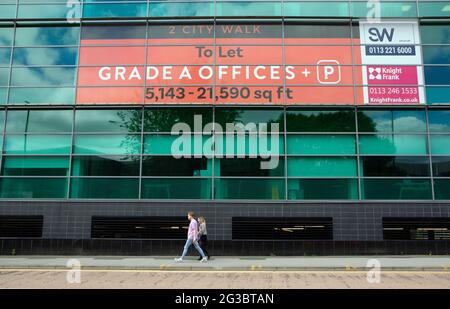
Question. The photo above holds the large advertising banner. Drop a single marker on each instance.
(247, 64)
(392, 63)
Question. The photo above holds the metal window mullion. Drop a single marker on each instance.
(213, 177)
(430, 157)
(283, 62)
(72, 139)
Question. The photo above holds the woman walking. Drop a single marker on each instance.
(203, 238)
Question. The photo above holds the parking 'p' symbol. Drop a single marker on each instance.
(328, 72)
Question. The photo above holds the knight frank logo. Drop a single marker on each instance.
(375, 73)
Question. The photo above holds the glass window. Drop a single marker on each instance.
(170, 166)
(178, 145)
(104, 188)
(105, 166)
(316, 8)
(2, 119)
(7, 11)
(103, 34)
(437, 75)
(251, 144)
(377, 166)
(441, 166)
(310, 30)
(320, 121)
(396, 189)
(264, 189)
(163, 119)
(3, 92)
(33, 188)
(435, 34)
(6, 35)
(4, 76)
(108, 120)
(5, 56)
(322, 167)
(386, 9)
(441, 191)
(37, 144)
(440, 144)
(52, 35)
(436, 54)
(107, 144)
(233, 116)
(248, 8)
(43, 11)
(392, 121)
(438, 95)
(191, 8)
(38, 76)
(249, 167)
(322, 189)
(392, 144)
(45, 56)
(42, 95)
(439, 120)
(321, 144)
(35, 166)
(433, 9)
(32, 120)
(138, 9)
(190, 188)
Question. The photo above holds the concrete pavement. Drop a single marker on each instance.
(434, 263)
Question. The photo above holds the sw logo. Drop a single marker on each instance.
(375, 35)
(374, 73)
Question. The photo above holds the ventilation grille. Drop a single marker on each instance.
(251, 228)
(21, 226)
(416, 228)
(139, 227)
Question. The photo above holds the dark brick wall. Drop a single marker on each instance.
(361, 221)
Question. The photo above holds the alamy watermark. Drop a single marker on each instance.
(236, 140)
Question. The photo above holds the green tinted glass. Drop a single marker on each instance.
(435, 34)
(265, 189)
(6, 35)
(4, 77)
(320, 121)
(163, 119)
(3, 92)
(396, 189)
(46, 36)
(190, 188)
(239, 144)
(2, 120)
(321, 144)
(322, 167)
(30, 188)
(440, 144)
(316, 8)
(191, 8)
(184, 145)
(392, 144)
(37, 144)
(38, 76)
(7, 11)
(104, 188)
(248, 8)
(115, 9)
(107, 144)
(42, 95)
(108, 120)
(434, 9)
(392, 121)
(441, 189)
(170, 166)
(384, 9)
(439, 120)
(232, 117)
(322, 189)
(105, 166)
(35, 166)
(43, 11)
(249, 167)
(39, 121)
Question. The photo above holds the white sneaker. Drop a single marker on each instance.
(204, 260)
(178, 260)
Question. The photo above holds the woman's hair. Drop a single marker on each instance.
(202, 219)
